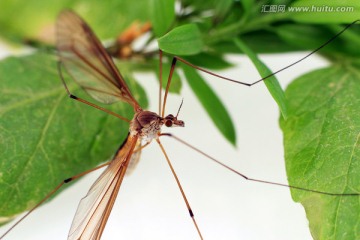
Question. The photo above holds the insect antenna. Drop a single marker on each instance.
(177, 114)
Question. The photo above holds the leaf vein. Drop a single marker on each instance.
(30, 100)
(38, 145)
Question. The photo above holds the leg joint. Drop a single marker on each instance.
(68, 180)
(73, 96)
(191, 213)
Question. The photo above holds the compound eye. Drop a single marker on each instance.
(168, 123)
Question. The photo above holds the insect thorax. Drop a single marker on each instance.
(146, 124)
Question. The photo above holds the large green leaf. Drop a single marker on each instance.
(322, 149)
(211, 102)
(45, 137)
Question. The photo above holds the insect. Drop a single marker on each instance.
(106, 94)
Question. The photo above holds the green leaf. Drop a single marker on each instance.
(36, 20)
(247, 5)
(211, 102)
(322, 150)
(183, 40)
(221, 8)
(324, 11)
(162, 13)
(271, 83)
(45, 136)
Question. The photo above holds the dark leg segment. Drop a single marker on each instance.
(181, 189)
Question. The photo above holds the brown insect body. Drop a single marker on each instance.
(147, 124)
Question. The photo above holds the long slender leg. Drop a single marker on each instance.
(84, 101)
(173, 63)
(245, 83)
(254, 179)
(51, 193)
(181, 189)
(160, 79)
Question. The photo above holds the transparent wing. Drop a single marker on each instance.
(88, 63)
(135, 158)
(94, 209)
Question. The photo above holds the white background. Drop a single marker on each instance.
(150, 206)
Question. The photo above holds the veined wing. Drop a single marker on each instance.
(135, 158)
(88, 63)
(94, 209)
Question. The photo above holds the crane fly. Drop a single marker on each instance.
(83, 55)
(86, 60)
